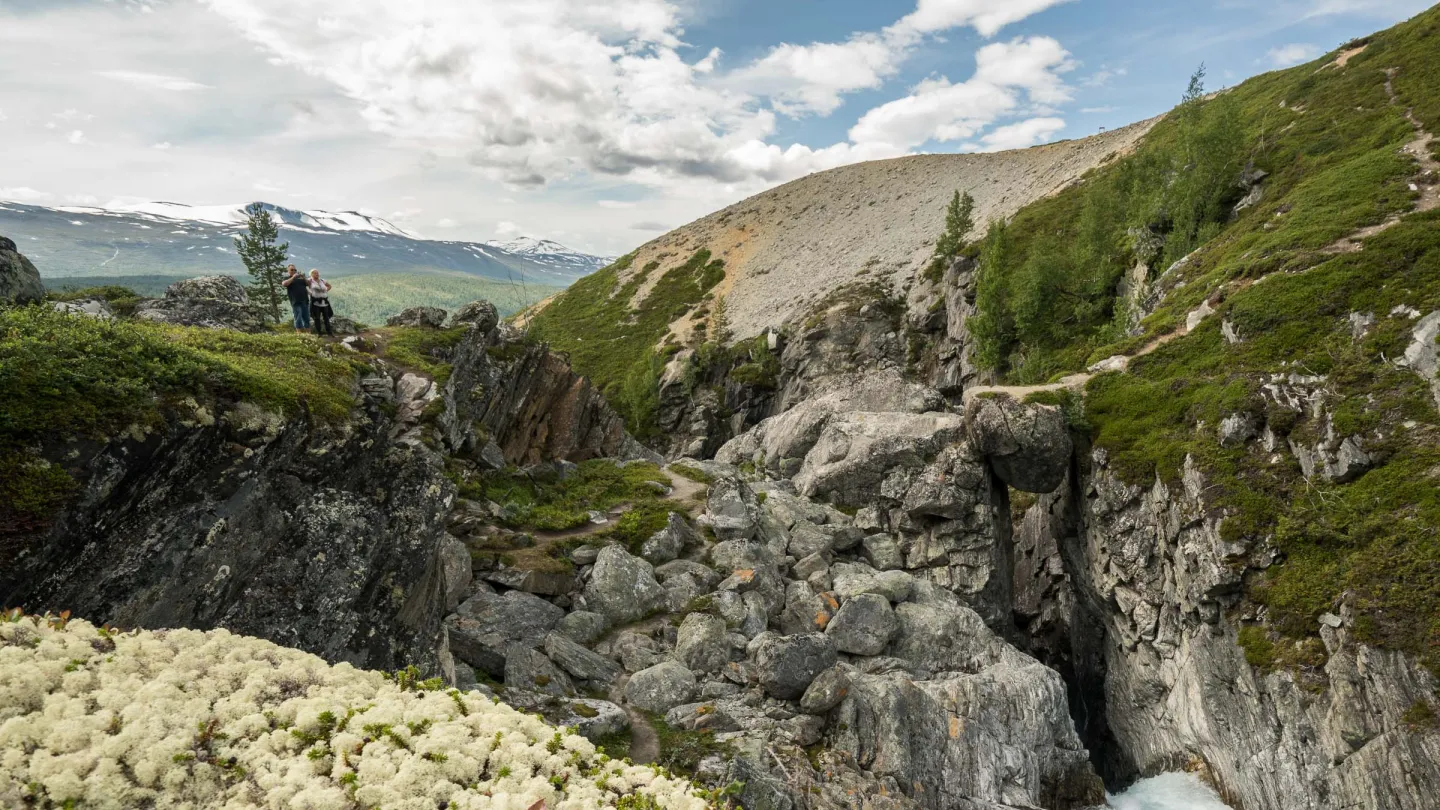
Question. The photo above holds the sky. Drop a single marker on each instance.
(597, 124)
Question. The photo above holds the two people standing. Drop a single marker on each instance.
(309, 300)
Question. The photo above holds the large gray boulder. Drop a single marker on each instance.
(526, 668)
(827, 690)
(863, 626)
(702, 643)
(786, 665)
(580, 662)
(19, 280)
(1028, 446)
(661, 687)
(582, 626)
(858, 451)
(622, 587)
(210, 302)
(485, 626)
(480, 313)
(425, 317)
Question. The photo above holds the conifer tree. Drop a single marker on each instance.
(959, 219)
(264, 260)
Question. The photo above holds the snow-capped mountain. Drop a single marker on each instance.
(551, 253)
(171, 239)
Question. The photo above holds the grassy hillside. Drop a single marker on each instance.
(1281, 277)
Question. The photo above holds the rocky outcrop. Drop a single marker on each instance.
(19, 280)
(1028, 446)
(329, 540)
(424, 317)
(512, 402)
(211, 302)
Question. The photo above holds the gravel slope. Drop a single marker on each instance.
(787, 247)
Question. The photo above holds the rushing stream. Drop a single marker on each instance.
(1168, 791)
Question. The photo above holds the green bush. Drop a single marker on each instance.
(427, 351)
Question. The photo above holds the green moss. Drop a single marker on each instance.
(616, 745)
(597, 485)
(693, 473)
(682, 750)
(427, 351)
(1259, 649)
(122, 300)
(1421, 718)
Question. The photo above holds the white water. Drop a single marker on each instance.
(1168, 791)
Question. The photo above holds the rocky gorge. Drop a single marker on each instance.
(941, 537)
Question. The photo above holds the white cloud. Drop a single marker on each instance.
(940, 110)
(508, 230)
(615, 204)
(1103, 76)
(162, 146)
(1097, 110)
(986, 16)
(23, 194)
(1293, 54)
(76, 137)
(1021, 134)
(529, 92)
(446, 222)
(155, 81)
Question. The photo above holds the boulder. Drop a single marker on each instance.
(702, 573)
(588, 666)
(1028, 446)
(454, 570)
(733, 509)
(661, 687)
(426, 317)
(883, 552)
(480, 313)
(97, 308)
(854, 579)
(582, 626)
(210, 302)
(863, 626)
(826, 691)
(806, 610)
(786, 665)
(526, 668)
(668, 543)
(594, 719)
(702, 643)
(806, 539)
(19, 280)
(341, 325)
(857, 451)
(485, 626)
(622, 587)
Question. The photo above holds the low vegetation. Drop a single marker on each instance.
(75, 377)
(373, 297)
(122, 300)
(427, 351)
(555, 504)
(617, 346)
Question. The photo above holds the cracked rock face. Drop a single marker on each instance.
(1028, 446)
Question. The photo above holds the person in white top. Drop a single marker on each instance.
(320, 311)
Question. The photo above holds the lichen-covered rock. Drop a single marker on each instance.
(733, 510)
(97, 308)
(668, 543)
(526, 668)
(210, 302)
(582, 626)
(661, 687)
(580, 662)
(827, 690)
(622, 587)
(426, 317)
(481, 313)
(702, 643)
(19, 280)
(486, 625)
(858, 451)
(864, 625)
(1028, 446)
(786, 665)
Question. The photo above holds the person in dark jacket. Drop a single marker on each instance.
(299, 292)
(320, 311)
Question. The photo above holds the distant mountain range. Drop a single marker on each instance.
(170, 239)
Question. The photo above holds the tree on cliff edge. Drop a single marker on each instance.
(959, 219)
(264, 260)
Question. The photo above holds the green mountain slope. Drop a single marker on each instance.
(1289, 316)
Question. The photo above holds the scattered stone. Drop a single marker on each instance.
(670, 542)
(786, 665)
(661, 687)
(582, 626)
(485, 626)
(622, 587)
(864, 625)
(480, 313)
(580, 662)
(1238, 428)
(826, 691)
(733, 509)
(526, 668)
(702, 573)
(97, 308)
(426, 317)
(585, 555)
(883, 552)
(702, 643)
